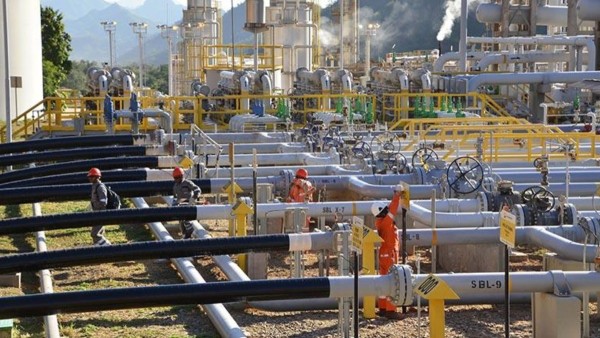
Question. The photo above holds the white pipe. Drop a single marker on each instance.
(275, 159)
(438, 65)
(520, 58)
(588, 10)
(462, 45)
(545, 15)
(50, 321)
(561, 40)
(545, 77)
(453, 220)
(217, 313)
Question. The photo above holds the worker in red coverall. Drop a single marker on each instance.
(389, 250)
(301, 191)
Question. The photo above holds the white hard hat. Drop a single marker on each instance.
(377, 207)
(399, 188)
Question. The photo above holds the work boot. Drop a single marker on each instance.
(381, 313)
(187, 234)
(393, 315)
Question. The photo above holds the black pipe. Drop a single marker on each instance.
(74, 192)
(68, 142)
(74, 166)
(71, 154)
(38, 305)
(90, 218)
(35, 261)
(80, 177)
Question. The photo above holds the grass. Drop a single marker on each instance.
(175, 321)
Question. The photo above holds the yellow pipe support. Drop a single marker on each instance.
(437, 320)
(370, 241)
(241, 211)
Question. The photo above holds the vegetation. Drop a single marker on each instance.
(56, 46)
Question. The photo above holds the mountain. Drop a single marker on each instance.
(75, 9)
(163, 11)
(91, 42)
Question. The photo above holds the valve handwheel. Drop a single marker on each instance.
(422, 155)
(468, 175)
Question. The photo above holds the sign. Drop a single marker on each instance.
(508, 224)
(405, 195)
(358, 233)
(16, 82)
(434, 287)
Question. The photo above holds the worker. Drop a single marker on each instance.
(301, 191)
(389, 250)
(99, 199)
(185, 192)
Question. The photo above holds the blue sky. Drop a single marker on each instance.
(225, 4)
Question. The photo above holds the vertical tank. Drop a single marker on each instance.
(24, 50)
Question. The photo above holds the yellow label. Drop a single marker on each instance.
(508, 228)
(434, 287)
(357, 237)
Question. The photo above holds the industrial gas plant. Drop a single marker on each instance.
(493, 146)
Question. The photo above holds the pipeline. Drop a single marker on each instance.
(68, 142)
(81, 177)
(59, 168)
(163, 249)
(71, 154)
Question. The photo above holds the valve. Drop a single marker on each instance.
(538, 208)
(541, 165)
(494, 200)
(464, 175)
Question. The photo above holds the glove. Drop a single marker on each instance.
(399, 188)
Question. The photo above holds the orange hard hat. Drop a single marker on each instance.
(302, 173)
(94, 172)
(177, 172)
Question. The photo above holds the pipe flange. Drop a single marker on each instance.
(403, 285)
(419, 175)
(482, 200)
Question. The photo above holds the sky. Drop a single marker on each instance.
(225, 4)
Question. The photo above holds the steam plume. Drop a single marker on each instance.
(452, 12)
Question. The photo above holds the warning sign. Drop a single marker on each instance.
(358, 233)
(508, 228)
(434, 287)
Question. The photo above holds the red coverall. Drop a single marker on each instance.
(301, 191)
(389, 250)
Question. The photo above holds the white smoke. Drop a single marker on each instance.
(452, 12)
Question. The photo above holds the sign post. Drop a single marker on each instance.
(435, 290)
(508, 224)
(358, 229)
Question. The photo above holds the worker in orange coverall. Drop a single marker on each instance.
(301, 191)
(389, 250)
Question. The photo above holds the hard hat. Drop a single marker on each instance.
(399, 188)
(94, 172)
(177, 172)
(377, 207)
(302, 173)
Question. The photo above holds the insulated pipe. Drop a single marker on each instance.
(217, 313)
(550, 238)
(67, 142)
(199, 212)
(215, 292)
(561, 40)
(165, 249)
(262, 148)
(545, 15)
(438, 65)
(516, 78)
(71, 154)
(104, 163)
(521, 58)
(81, 177)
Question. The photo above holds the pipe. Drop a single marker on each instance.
(67, 142)
(164, 116)
(104, 163)
(217, 313)
(545, 15)
(539, 78)
(71, 154)
(81, 177)
(164, 249)
(206, 293)
(453, 220)
(438, 65)
(561, 40)
(505, 58)
(50, 321)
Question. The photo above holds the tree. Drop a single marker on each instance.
(56, 47)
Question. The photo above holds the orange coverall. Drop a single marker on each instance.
(389, 250)
(301, 191)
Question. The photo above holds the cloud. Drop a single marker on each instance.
(452, 13)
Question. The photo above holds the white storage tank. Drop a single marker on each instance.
(24, 50)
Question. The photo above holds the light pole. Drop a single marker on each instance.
(110, 27)
(369, 32)
(140, 28)
(168, 32)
